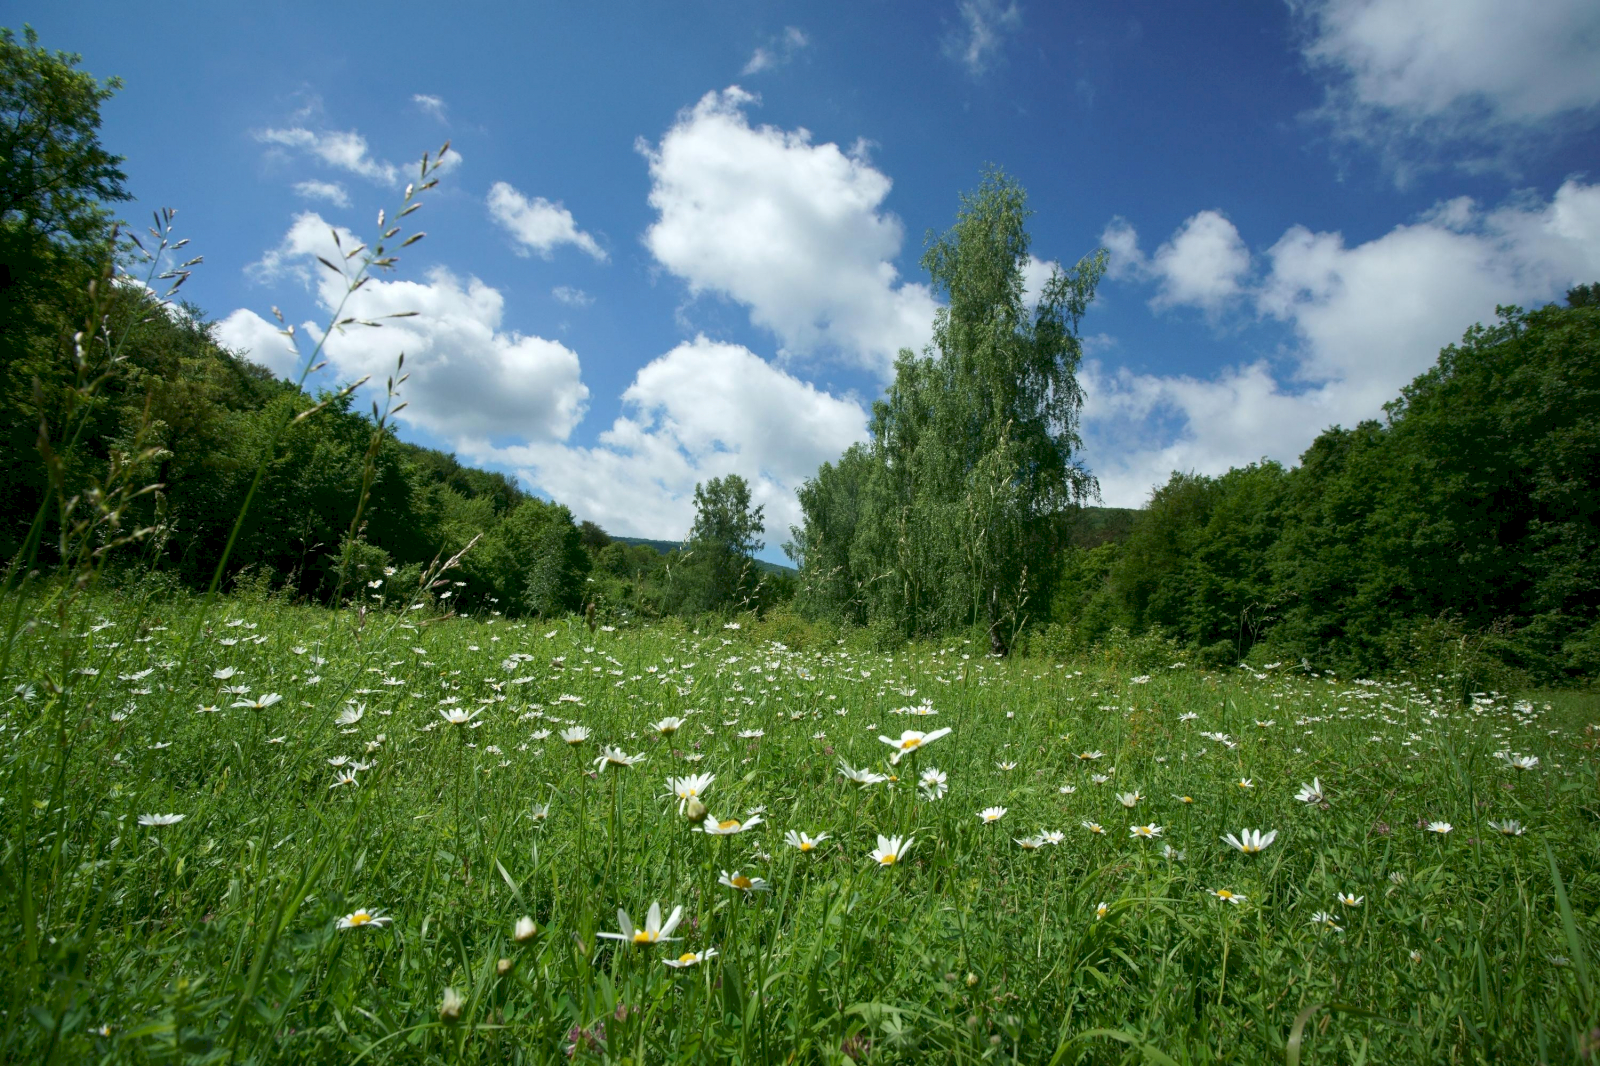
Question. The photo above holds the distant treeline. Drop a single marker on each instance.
(1466, 522)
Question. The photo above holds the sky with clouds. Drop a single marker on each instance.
(672, 242)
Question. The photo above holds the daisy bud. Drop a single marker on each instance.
(972, 979)
(502, 967)
(525, 930)
(694, 811)
(450, 1007)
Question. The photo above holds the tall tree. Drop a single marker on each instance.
(974, 446)
(724, 540)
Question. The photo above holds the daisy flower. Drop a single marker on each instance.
(1245, 782)
(575, 735)
(1067, 790)
(1440, 827)
(862, 776)
(1030, 843)
(161, 819)
(667, 726)
(1311, 793)
(992, 814)
(524, 931)
(744, 884)
(1144, 832)
(1250, 841)
(1227, 895)
(1094, 827)
(1053, 836)
(911, 740)
(690, 958)
(1349, 899)
(611, 755)
(933, 783)
(1510, 827)
(261, 703)
(804, 841)
(1086, 755)
(690, 787)
(459, 715)
(1006, 766)
(891, 850)
(1326, 920)
(357, 919)
(729, 826)
(1128, 799)
(654, 930)
(1101, 910)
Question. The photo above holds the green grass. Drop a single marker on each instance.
(215, 939)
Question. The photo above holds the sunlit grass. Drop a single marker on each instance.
(302, 835)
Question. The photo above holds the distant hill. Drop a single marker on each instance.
(665, 546)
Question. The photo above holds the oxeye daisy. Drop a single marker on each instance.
(1227, 895)
(261, 703)
(610, 755)
(911, 740)
(689, 787)
(1326, 920)
(1250, 841)
(861, 777)
(161, 819)
(1053, 836)
(1311, 793)
(459, 715)
(1129, 799)
(690, 958)
(1350, 899)
(1089, 755)
(1510, 827)
(1144, 832)
(1094, 827)
(891, 850)
(654, 931)
(1440, 827)
(742, 882)
(728, 826)
(933, 783)
(1101, 910)
(1245, 782)
(1030, 843)
(575, 735)
(804, 841)
(667, 726)
(359, 918)
(990, 815)
(1006, 767)
(1067, 790)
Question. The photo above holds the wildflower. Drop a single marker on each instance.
(1101, 910)
(1311, 793)
(1067, 790)
(690, 958)
(933, 783)
(804, 841)
(1094, 827)
(862, 776)
(524, 930)
(1415, 955)
(729, 826)
(1440, 827)
(261, 703)
(752, 734)
(891, 850)
(1510, 827)
(1227, 895)
(910, 741)
(1326, 920)
(1144, 832)
(992, 814)
(350, 715)
(575, 735)
(1128, 799)
(225, 673)
(1188, 716)
(1053, 836)
(1006, 766)
(1172, 854)
(161, 819)
(744, 884)
(689, 788)
(357, 919)
(1030, 843)
(1520, 762)
(667, 726)
(344, 777)
(1184, 799)
(653, 932)
(1350, 900)
(1250, 841)
(459, 716)
(1087, 755)
(1245, 782)
(611, 755)
(450, 1006)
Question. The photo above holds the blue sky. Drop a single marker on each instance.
(678, 241)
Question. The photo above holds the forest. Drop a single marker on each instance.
(1458, 532)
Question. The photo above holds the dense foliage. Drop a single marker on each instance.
(1465, 523)
(949, 515)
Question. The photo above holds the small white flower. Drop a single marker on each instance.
(161, 819)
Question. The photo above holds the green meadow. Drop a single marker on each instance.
(258, 832)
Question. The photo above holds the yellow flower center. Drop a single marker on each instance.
(1187, 799)
(888, 860)
(806, 845)
(687, 957)
(741, 881)
(643, 936)
(1224, 894)
(731, 823)
(910, 742)
(360, 918)
(1249, 849)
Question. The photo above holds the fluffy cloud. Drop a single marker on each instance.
(1367, 319)
(331, 191)
(1407, 74)
(1202, 265)
(537, 225)
(433, 105)
(985, 24)
(779, 53)
(258, 340)
(791, 229)
(347, 151)
(469, 378)
(702, 410)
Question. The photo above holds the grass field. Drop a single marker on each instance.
(202, 811)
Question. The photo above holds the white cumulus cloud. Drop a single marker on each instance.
(346, 150)
(1366, 318)
(703, 410)
(470, 378)
(331, 191)
(433, 105)
(793, 230)
(1203, 264)
(538, 225)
